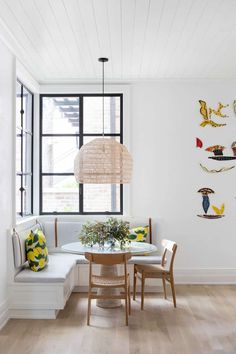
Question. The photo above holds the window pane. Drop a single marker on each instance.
(60, 194)
(101, 198)
(87, 139)
(27, 185)
(58, 154)
(18, 194)
(18, 151)
(18, 105)
(93, 119)
(60, 115)
(27, 153)
(27, 108)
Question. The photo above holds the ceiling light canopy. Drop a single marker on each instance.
(103, 160)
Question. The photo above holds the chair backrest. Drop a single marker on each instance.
(108, 258)
(171, 247)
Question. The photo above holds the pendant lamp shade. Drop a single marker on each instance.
(103, 160)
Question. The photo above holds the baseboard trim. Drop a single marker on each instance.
(190, 276)
(205, 276)
(4, 314)
(150, 289)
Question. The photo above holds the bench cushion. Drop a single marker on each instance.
(58, 269)
(139, 234)
(18, 240)
(149, 259)
(36, 250)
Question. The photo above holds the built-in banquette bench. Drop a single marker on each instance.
(42, 294)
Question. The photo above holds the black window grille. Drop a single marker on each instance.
(24, 150)
(67, 121)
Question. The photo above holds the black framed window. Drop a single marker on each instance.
(67, 121)
(24, 150)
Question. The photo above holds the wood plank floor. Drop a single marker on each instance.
(204, 322)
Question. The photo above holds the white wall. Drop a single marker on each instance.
(167, 175)
(164, 122)
(7, 104)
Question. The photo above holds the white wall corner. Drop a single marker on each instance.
(205, 276)
(26, 78)
(4, 314)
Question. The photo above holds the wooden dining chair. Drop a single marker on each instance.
(108, 281)
(163, 271)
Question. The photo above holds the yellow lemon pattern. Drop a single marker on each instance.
(36, 250)
(139, 234)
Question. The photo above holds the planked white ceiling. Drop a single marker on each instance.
(60, 40)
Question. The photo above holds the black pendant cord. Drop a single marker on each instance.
(103, 60)
(103, 90)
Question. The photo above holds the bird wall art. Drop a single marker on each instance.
(207, 113)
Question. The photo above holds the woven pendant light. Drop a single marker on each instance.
(103, 160)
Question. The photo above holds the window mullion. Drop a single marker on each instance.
(22, 151)
(81, 142)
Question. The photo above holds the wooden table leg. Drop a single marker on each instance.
(108, 270)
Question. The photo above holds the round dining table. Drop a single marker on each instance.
(135, 248)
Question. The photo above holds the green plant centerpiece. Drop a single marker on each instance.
(113, 232)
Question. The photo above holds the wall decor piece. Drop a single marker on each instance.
(217, 210)
(207, 112)
(233, 147)
(223, 169)
(218, 111)
(234, 103)
(206, 204)
(211, 216)
(199, 143)
(216, 149)
(218, 153)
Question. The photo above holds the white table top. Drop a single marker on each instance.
(135, 248)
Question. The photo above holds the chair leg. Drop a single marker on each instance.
(172, 284)
(129, 299)
(126, 308)
(89, 310)
(142, 291)
(134, 283)
(164, 286)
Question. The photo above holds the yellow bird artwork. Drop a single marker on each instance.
(207, 113)
(219, 211)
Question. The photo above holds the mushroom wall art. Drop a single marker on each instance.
(218, 155)
(219, 212)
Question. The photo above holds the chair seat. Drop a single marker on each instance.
(151, 268)
(108, 281)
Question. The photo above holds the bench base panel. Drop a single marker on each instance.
(33, 314)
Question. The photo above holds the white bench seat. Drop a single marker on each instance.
(57, 270)
(79, 258)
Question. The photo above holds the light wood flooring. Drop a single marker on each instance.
(203, 322)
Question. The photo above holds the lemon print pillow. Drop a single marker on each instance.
(36, 250)
(139, 234)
